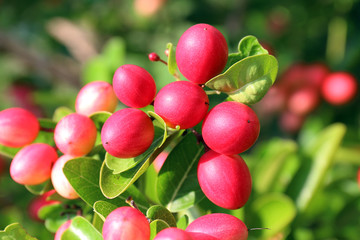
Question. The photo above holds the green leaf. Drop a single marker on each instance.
(54, 216)
(183, 222)
(162, 213)
(8, 151)
(81, 229)
(248, 46)
(274, 211)
(103, 209)
(40, 188)
(177, 185)
(83, 175)
(47, 123)
(156, 226)
(114, 52)
(248, 80)
(97, 69)
(172, 66)
(15, 231)
(61, 112)
(99, 119)
(98, 222)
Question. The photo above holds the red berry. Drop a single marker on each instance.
(201, 53)
(225, 180)
(59, 180)
(339, 88)
(134, 86)
(181, 103)
(303, 101)
(32, 164)
(202, 236)
(126, 223)
(75, 134)
(18, 127)
(230, 128)
(127, 133)
(154, 57)
(220, 225)
(291, 122)
(62, 229)
(94, 97)
(39, 202)
(173, 234)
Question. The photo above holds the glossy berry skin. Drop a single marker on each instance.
(202, 236)
(18, 127)
(127, 133)
(181, 103)
(201, 53)
(339, 88)
(154, 57)
(94, 97)
(32, 164)
(62, 229)
(39, 202)
(134, 86)
(75, 135)
(230, 128)
(59, 180)
(126, 223)
(225, 180)
(173, 234)
(220, 225)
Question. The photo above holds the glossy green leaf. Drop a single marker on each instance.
(172, 66)
(156, 226)
(177, 185)
(97, 222)
(248, 46)
(99, 119)
(248, 80)
(103, 209)
(114, 53)
(15, 231)
(40, 188)
(54, 216)
(81, 229)
(183, 222)
(61, 112)
(83, 175)
(162, 213)
(273, 211)
(47, 123)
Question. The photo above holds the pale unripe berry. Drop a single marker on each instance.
(32, 164)
(225, 180)
(126, 223)
(173, 234)
(220, 225)
(62, 229)
(94, 97)
(230, 128)
(75, 134)
(18, 127)
(127, 133)
(181, 103)
(59, 180)
(134, 86)
(201, 53)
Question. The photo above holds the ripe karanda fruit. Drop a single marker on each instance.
(134, 86)
(201, 53)
(173, 233)
(339, 88)
(32, 164)
(127, 133)
(62, 229)
(126, 223)
(18, 127)
(220, 226)
(230, 128)
(225, 180)
(181, 103)
(94, 97)
(75, 134)
(59, 180)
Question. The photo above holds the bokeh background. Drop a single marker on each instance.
(50, 49)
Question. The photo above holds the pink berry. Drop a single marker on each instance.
(339, 88)
(202, 236)
(134, 86)
(59, 180)
(220, 225)
(75, 134)
(18, 127)
(32, 164)
(291, 122)
(125, 223)
(181, 103)
(173, 234)
(39, 202)
(154, 57)
(94, 97)
(303, 101)
(127, 133)
(62, 229)
(201, 53)
(225, 180)
(230, 128)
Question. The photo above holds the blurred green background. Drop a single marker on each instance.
(49, 49)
